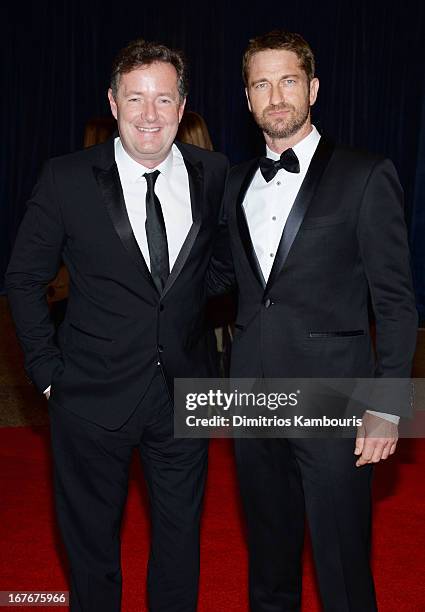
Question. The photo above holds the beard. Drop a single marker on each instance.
(282, 127)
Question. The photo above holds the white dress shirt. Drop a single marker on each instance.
(172, 189)
(267, 206)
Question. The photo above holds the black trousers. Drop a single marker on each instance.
(284, 481)
(91, 466)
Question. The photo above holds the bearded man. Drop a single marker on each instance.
(316, 231)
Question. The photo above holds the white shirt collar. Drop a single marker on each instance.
(304, 149)
(132, 171)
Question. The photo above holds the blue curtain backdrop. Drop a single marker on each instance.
(56, 56)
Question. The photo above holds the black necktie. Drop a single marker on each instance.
(288, 161)
(156, 234)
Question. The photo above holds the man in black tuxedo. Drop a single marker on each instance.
(134, 221)
(315, 231)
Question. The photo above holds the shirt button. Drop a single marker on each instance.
(278, 183)
(273, 218)
(271, 254)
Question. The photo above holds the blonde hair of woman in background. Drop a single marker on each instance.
(99, 129)
(193, 130)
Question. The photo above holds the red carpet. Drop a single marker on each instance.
(32, 558)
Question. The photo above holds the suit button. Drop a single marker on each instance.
(268, 303)
(160, 348)
(161, 307)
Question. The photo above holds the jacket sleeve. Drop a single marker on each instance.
(35, 261)
(382, 236)
(220, 275)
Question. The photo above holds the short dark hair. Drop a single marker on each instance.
(280, 39)
(139, 52)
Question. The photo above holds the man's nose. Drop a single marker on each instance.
(276, 95)
(149, 111)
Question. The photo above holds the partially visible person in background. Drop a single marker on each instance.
(193, 130)
(98, 130)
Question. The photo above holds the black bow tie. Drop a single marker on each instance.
(288, 161)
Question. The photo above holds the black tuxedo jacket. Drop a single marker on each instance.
(117, 328)
(344, 246)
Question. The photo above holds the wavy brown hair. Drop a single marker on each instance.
(280, 39)
(139, 52)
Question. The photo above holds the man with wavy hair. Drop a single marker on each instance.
(316, 230)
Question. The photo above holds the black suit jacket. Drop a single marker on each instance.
(344, 246)
(117, 329)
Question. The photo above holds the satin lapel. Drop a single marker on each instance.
(243, 224)
(305, 195)
(109, 184)
(196, 187)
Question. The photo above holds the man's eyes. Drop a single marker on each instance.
(265, 84)
(160, 100)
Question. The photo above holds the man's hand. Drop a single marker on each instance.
(376, 439)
